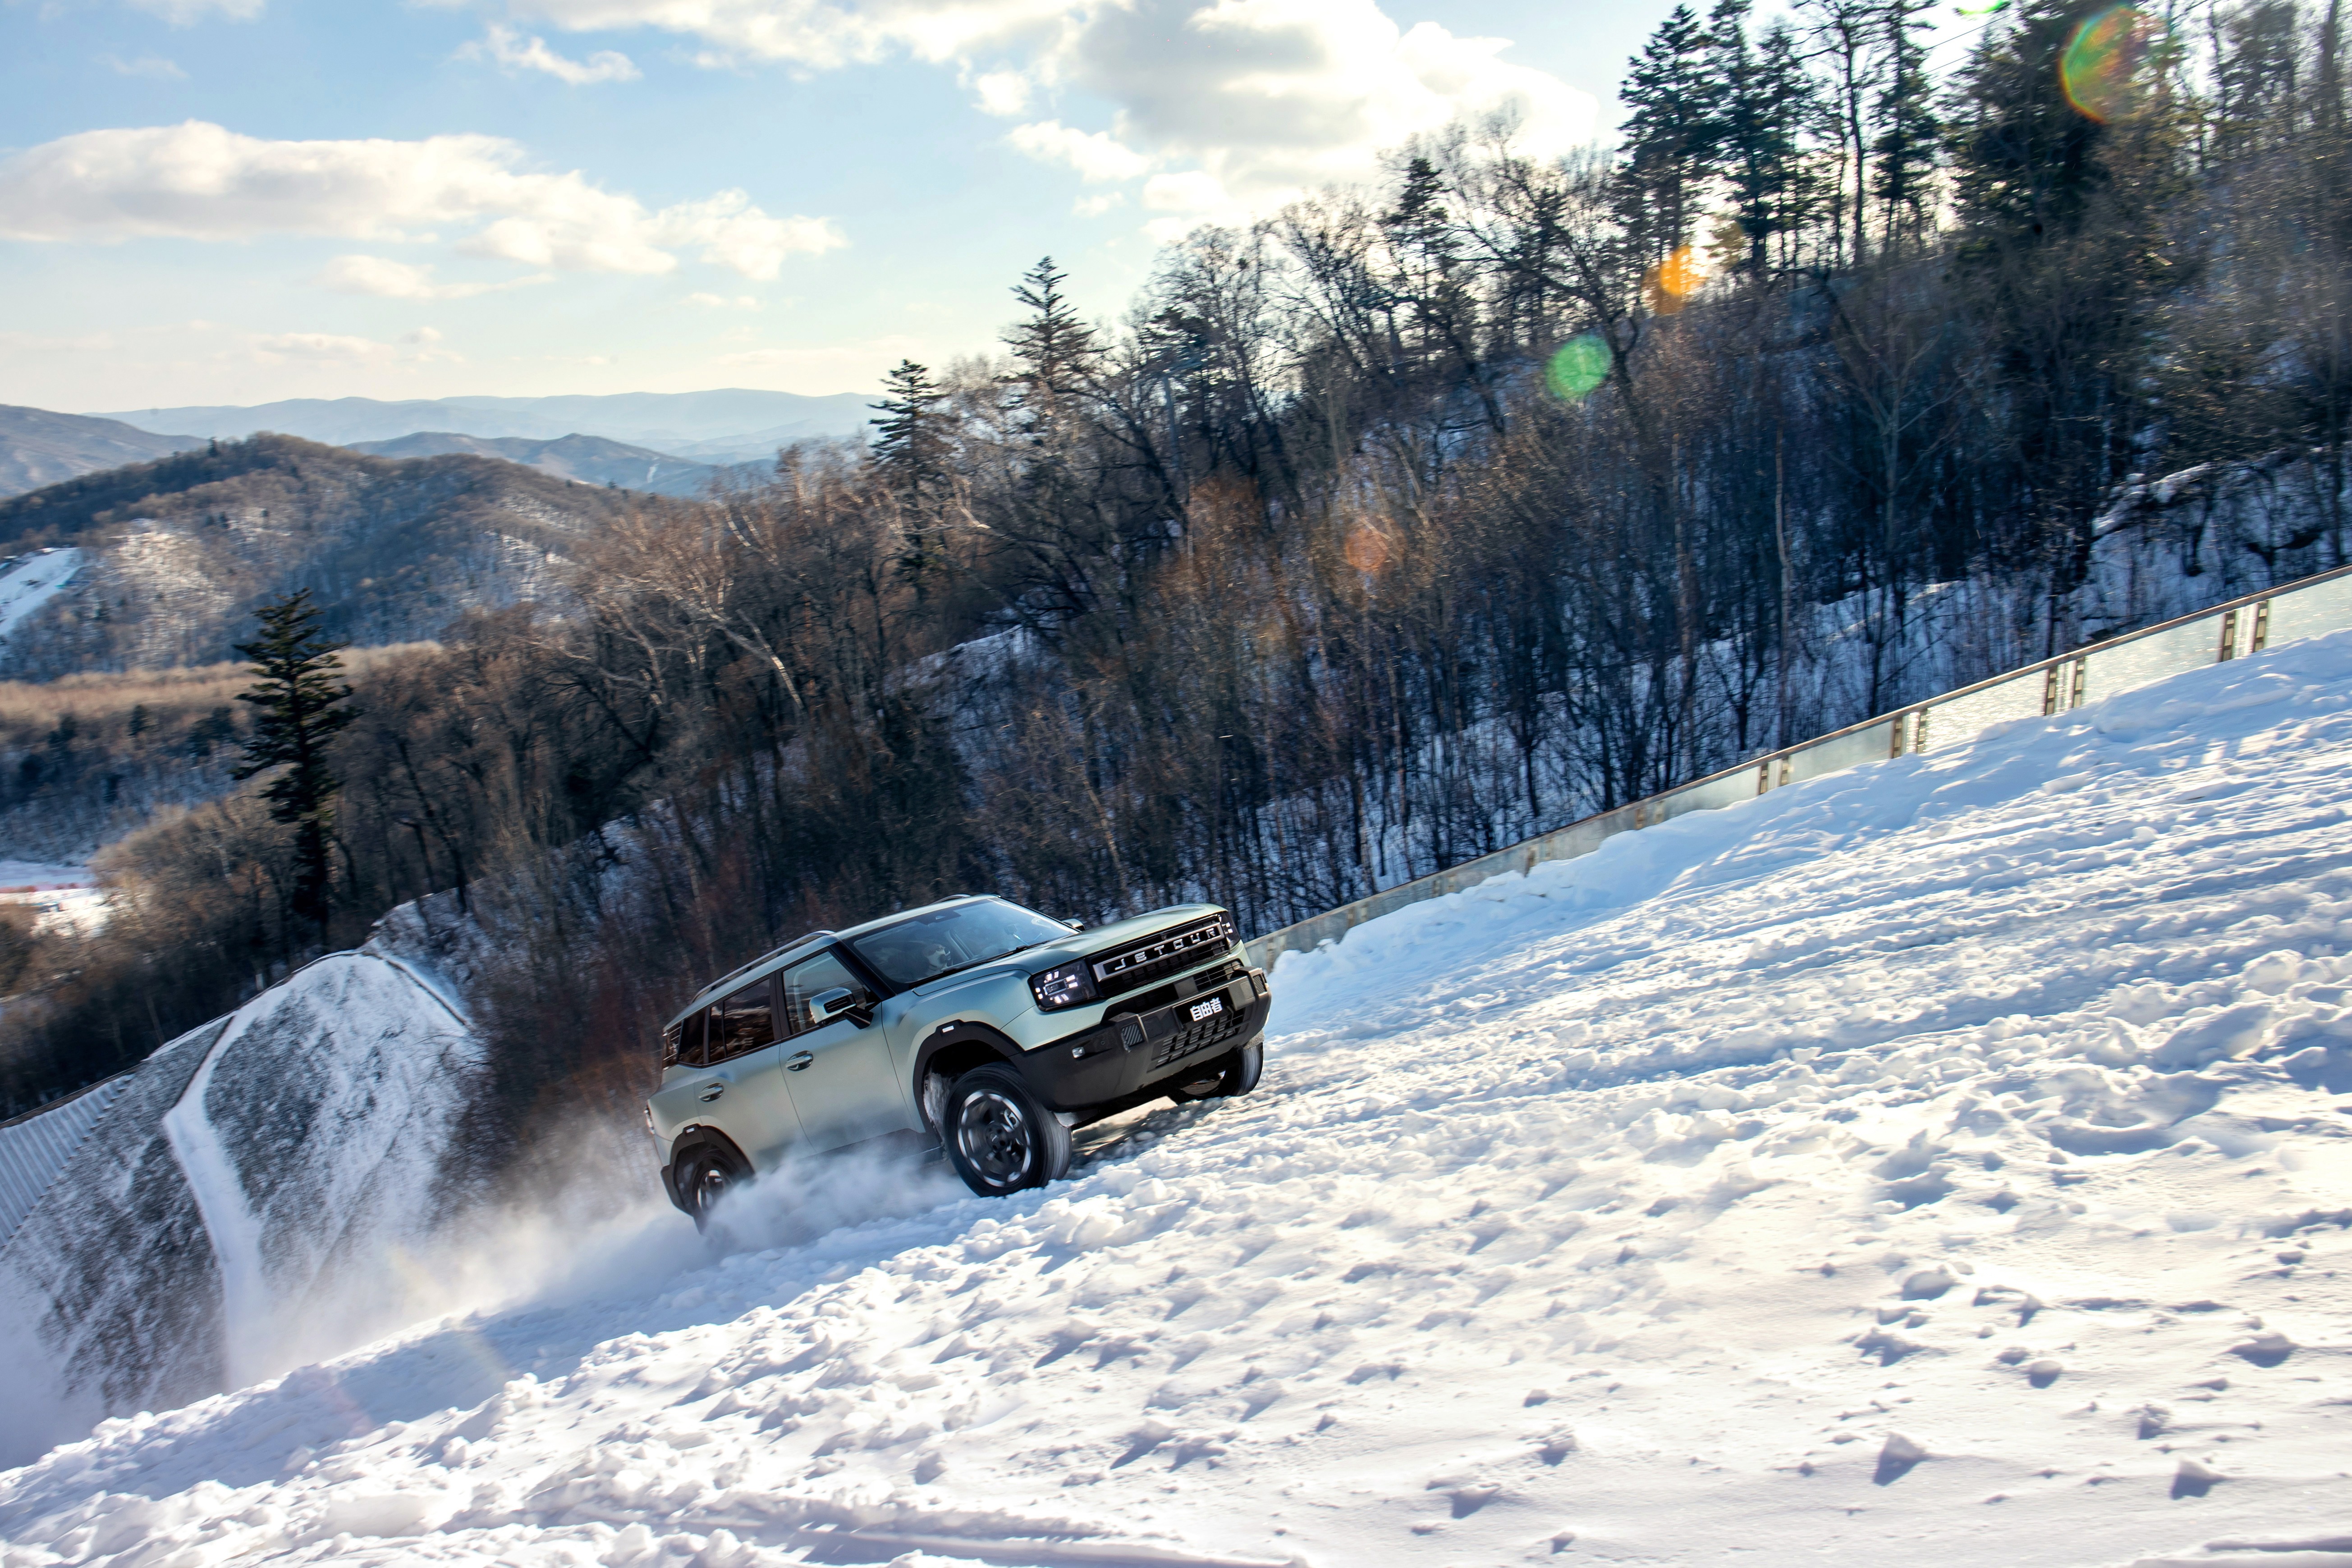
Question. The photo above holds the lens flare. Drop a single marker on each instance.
(2105, 68)
(1367, 549)
(1679, 274)
(1577, 367)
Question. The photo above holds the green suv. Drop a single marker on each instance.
(973, 1023)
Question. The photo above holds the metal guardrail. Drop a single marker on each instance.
(2227, 631)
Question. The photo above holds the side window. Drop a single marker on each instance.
(810, 979)
(741, 1023)
(690, 1036)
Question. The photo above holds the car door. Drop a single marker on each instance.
(843, 1082)
(742, 1091)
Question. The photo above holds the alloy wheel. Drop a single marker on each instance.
(994, 1137)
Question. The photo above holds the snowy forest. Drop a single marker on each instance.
(1409, 522)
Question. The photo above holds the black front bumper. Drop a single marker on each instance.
(1132, 1057)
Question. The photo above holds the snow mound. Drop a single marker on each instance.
(1955, 1149)
(255, 1195)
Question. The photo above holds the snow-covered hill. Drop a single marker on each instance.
(1946, 1161)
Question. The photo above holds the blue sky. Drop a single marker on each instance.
(233, 201)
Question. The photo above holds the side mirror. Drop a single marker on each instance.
(827, 1005)
(1075, 925)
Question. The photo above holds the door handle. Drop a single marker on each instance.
(795, 1062)
(711, 1091)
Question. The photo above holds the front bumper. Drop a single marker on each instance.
(1124, 1055)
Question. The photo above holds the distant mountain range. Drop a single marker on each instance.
(730, 426)
(591, 459)
(39, 448)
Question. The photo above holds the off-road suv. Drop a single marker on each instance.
(971, 1023)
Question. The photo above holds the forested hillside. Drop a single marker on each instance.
(186, 546)
(1402, 524)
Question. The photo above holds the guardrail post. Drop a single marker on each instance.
(2228, 637)
(2082, 683)
(2261, 627)
(2050, 692)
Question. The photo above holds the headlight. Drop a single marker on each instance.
(1064, 986)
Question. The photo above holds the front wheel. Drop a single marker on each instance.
(1000, 1137)
(1226, 1076)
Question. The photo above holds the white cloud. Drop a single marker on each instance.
(721, 302)
(188, 13)
(1268, 97)
(197, 181)
(1095, 157)
(515, 52)
(320, 347)
(155, 67)
(1094, 207)
(1003, 93)
(824, 34)
(389, 279)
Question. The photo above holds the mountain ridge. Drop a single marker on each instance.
(723, 425)
(588, 459)
(39, 446)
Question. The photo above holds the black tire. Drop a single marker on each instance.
(706, 1173)
(1235, 1073)
(999, 1136)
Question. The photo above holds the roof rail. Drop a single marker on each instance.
(805, 937)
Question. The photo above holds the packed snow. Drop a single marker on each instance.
(1943, 1161)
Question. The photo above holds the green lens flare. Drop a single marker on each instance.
(2105, 68)
(1577, 367)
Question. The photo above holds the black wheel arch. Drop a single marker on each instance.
(953, 1048)
(691, 1140)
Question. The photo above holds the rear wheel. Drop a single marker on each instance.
(706, 1174)
(1000, 1136)
(1235, 1073)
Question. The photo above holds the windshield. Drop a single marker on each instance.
(929, 946)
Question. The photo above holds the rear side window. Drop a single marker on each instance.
(804, 982)
(744, 1022)
(682, 1041)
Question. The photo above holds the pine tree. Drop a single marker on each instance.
(2025, 161)
(1672, 137)
(1053, 346)
(1842, 34)
(911, 455)
(301, 705)
(913, 459)
(1767, 100)
(1903, 150)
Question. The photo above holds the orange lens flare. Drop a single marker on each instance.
(2105, 69)
(1367, 549)
(1672, 282)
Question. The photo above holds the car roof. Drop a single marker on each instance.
(774, 958)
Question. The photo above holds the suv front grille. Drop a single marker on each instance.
(1151, 1001)
(1197, 1037)
(1161, 956)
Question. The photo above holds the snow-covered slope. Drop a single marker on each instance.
(28, 581)
(254, 1197)
(1941, 1162)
